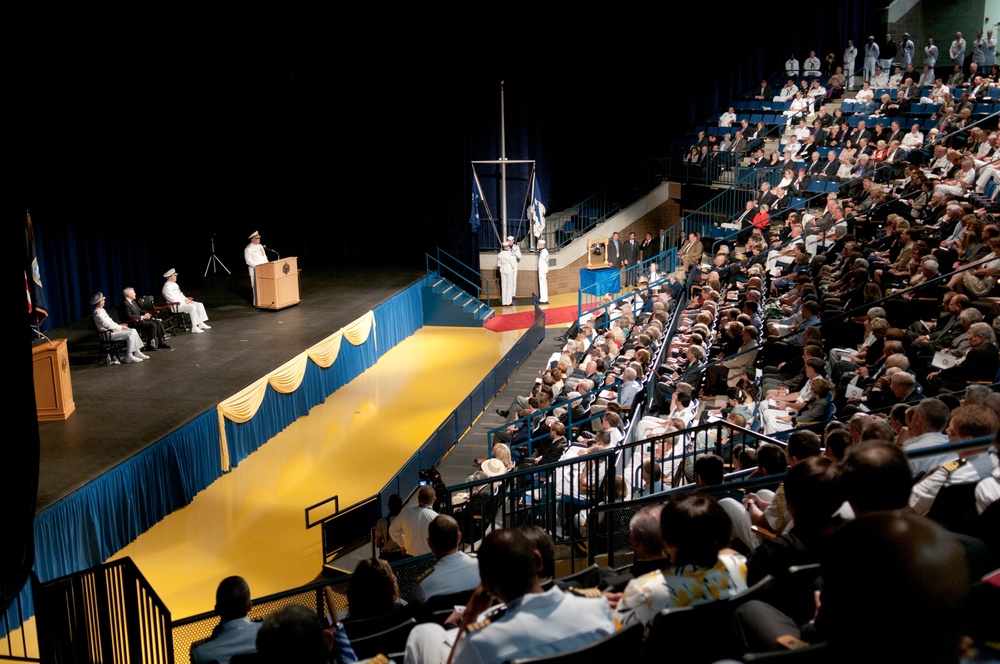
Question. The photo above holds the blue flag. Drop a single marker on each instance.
(474, 214)
(536, 213)
(37, 304)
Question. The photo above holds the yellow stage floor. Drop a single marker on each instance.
(251, 522)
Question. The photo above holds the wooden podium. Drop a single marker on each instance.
(277, 283)
(53, 388)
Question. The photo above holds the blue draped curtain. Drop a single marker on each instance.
(90, 525)
(395, 319)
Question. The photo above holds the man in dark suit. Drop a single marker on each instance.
(861, 131)
(630, 260)
(763, 91)
(615, 251)
(809, 148)
(819, 132)
(896, 132)
(739, 143)
(745, 218)
(980, 362)
(149, 328)
(648, 248)
(766, 196)
(901, 105)
(910, 89)
(815, 167)
(935, 210)
(831, 167)
(781, 200)
(978, 89)
(894, 159)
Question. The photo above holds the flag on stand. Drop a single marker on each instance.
(37, 304)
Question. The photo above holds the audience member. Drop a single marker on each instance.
(235, 634)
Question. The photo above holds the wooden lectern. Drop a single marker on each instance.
(277, 283)
(53, 388)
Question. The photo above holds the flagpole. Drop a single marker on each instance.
(503, 167)
(531, 202)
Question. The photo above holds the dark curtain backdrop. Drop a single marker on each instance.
(136, 151)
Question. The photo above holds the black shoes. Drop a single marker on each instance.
(502, 413)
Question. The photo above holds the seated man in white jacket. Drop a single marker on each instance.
(172, 294)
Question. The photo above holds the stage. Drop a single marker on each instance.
(121, 410)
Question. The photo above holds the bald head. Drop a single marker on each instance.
(426, 495)
(443, 535)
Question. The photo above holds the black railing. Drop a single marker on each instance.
(558, 496)
(108, 613)
(465, 277)
(15, 643)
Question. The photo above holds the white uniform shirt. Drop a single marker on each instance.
(103, 320)
(172, 292)
(254, 255)
(409, 529)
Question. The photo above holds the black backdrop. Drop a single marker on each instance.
(349, 140)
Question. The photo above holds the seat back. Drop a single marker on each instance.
(698, 634)
(793, 592)
(819, 653)
(364, 627)
(147, 304)
(437, 609)
(390, 640)
(955, 508)
(624, 643)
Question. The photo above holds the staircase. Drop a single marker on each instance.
(445, 303)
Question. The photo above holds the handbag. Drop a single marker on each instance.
(976, 286)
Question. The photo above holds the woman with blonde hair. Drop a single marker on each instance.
(502, 452)
(846, 166)
(618, 336)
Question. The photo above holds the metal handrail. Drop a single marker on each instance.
(543, 413)
(479, 290)
(563, 228)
